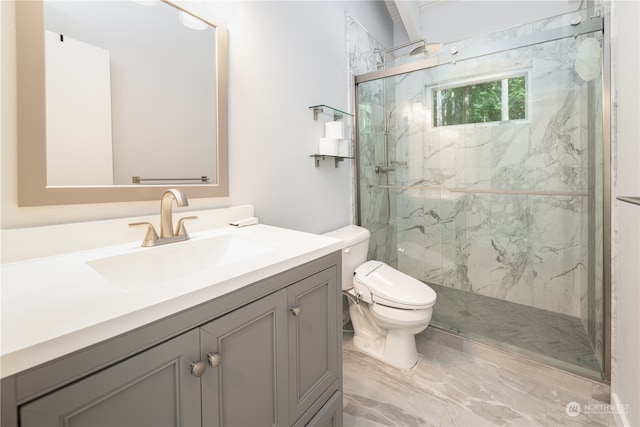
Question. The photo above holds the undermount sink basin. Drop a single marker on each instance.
(155, 266)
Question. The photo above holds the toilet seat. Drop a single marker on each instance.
(378, 282)
(397, 318)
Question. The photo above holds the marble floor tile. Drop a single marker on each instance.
(450, 388)
(379, 394)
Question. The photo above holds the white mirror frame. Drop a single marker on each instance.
(32, 155)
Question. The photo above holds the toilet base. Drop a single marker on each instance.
(397, 349)
(395, 346)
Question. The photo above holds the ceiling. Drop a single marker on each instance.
(393, 10)
(408, 13)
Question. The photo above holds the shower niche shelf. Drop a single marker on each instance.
(336, 115)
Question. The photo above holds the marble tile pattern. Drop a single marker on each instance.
(363, 50)
(529, 249)
(448, 387)
(534, 249)
(366, 55)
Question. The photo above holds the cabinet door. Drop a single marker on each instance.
(313, 339)
(330, 415)
(246, 384)
(154, 388)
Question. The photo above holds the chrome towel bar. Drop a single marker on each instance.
(138, 180)
(485, 191)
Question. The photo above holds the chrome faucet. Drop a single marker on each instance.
(167, 233)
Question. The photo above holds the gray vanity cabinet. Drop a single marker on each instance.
(149, 389)
(329, 416)
(267, 355)
(313, 361)
(293, 331)
(245, 351)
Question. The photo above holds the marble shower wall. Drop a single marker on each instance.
(531, 249)
(376, 208)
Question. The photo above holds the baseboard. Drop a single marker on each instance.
(619, 416)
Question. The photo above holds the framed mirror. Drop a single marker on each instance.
(122, 151)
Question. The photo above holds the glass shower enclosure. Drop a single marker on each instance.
(481, 173)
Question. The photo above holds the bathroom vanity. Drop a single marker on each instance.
(257, 345)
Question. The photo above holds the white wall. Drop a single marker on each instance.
(625, 385)
(78, 113)
(287, 56)
(284, 57)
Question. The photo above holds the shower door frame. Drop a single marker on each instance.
(592, 25)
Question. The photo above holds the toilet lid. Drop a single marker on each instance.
(391, 287)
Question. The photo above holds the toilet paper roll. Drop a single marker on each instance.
(328, 146)
(343, 147)
(334, 130)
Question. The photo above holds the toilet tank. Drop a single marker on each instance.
(354, 250)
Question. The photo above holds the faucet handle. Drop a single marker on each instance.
(180, 230)
(150, 236)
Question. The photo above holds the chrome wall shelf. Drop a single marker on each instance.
(337, 114)
(632, 200)
(337, 159)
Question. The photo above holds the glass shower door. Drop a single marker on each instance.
(483, 177)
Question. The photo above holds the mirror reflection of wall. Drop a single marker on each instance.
(162, 93)
(78, 87)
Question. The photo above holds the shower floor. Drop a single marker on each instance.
(543, 335)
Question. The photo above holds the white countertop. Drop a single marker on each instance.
(54, 305)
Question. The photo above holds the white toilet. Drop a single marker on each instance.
(387, 307)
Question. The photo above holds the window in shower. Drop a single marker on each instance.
(480, 102)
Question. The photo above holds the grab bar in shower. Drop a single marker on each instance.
(138, 180)
(627, 199)
(484, 191)
(521, 192)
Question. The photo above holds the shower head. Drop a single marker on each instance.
(426, 49)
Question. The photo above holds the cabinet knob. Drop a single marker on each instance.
(214, 359)
(198, 368)
(296, 311)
